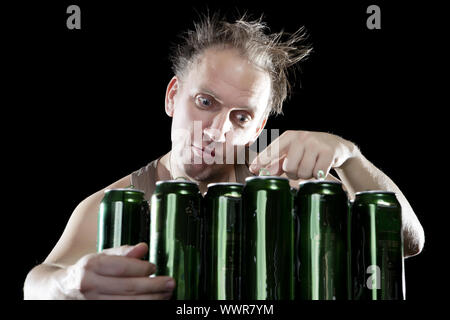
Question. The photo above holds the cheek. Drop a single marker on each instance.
(186, 119)
(185, 113)
(242, 137)
(181, 111)
(181, 122)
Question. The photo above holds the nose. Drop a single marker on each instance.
(220, 125)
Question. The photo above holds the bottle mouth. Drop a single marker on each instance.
(321, 175)
(374, 192)
(320, 181)
(177, 180)
(266, 178)
(225, 184)
(264, 172)
(125, 189)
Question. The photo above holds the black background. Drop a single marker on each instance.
(87, 106)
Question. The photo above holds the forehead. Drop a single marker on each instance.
(227, 73)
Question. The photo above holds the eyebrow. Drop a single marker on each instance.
(211, 93)
(215, 96)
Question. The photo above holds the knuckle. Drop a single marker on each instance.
(327, 149)
(312, 142)
(291, 134)
(304, 135)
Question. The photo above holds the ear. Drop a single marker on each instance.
(171, 91)
(258, 131)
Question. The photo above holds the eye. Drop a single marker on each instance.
(243, 118)
(203, 102)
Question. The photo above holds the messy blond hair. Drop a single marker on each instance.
(275, 53)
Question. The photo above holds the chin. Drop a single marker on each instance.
(201, 172)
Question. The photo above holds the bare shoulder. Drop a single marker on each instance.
(122, 183)
(80, 234)
(93, 201)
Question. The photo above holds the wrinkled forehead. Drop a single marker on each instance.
(231, 74)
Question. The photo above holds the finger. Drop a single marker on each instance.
(118, 251)
(305, 169)
(273, 152)
(275, 168)
(134, 286)
(323, 164)
(138, 251)
(293, 160)
(118, 266)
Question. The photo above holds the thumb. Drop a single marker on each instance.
(136, 251)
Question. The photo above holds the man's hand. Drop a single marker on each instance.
(302, 154)
(116, 273)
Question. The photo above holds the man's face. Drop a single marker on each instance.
(219, 105)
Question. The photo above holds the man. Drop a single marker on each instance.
(229, 77)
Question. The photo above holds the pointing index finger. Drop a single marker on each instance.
(272, 153)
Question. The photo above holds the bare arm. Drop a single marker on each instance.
(303, 154)
(77, 240)
(73, 270)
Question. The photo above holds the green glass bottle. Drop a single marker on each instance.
(221, 272)
(322, 241)
(123, 219)
(377, 265)
(268, 239)
(175, 235)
